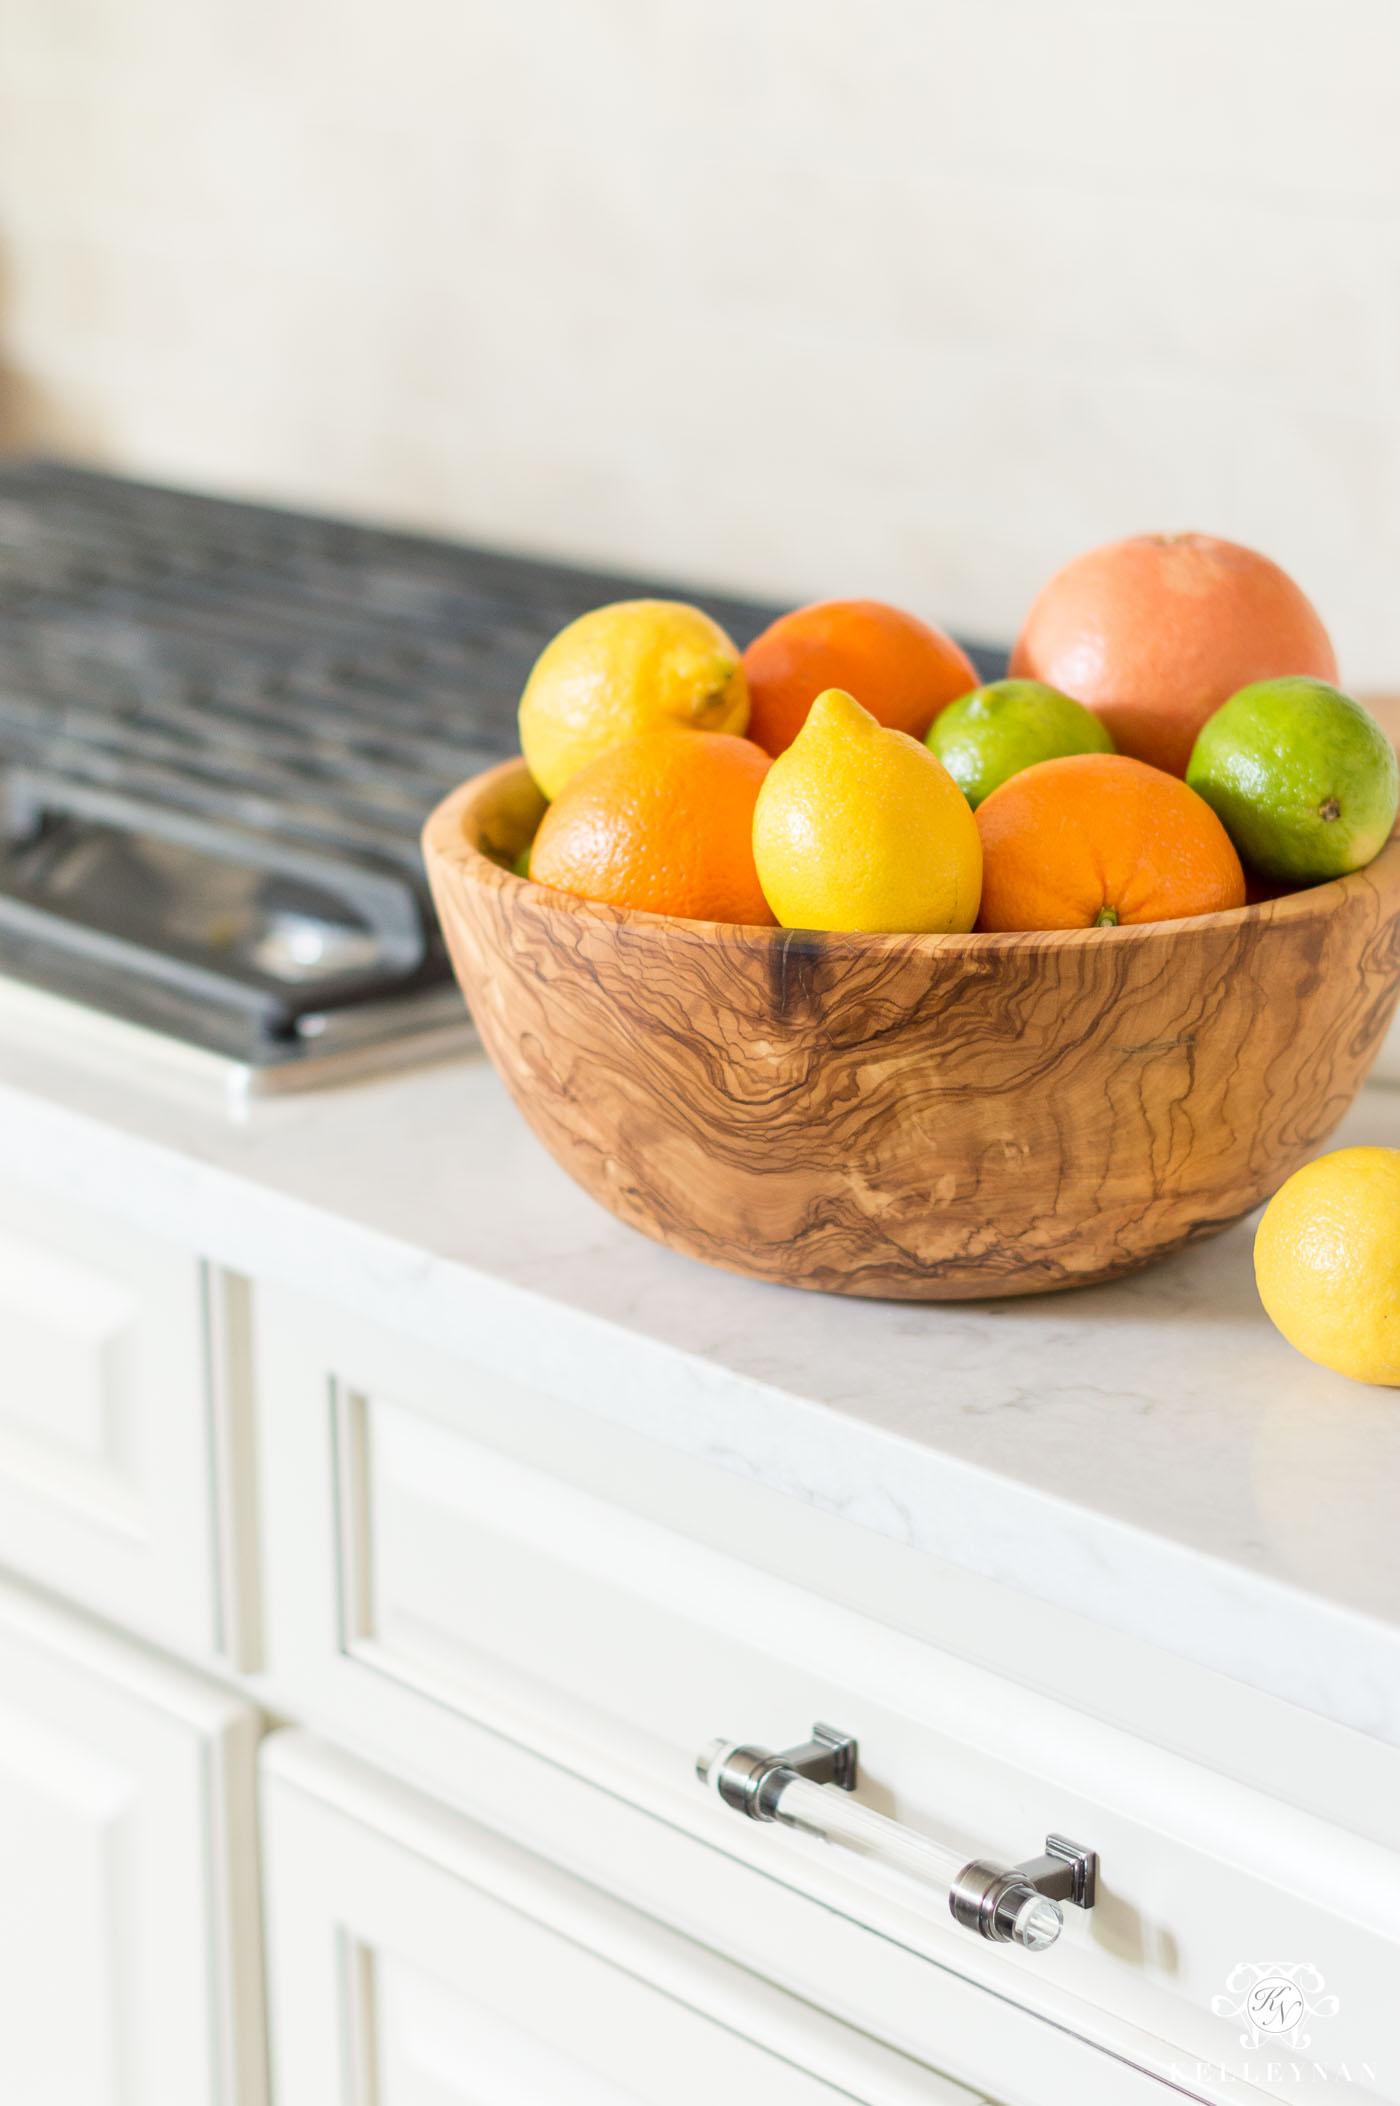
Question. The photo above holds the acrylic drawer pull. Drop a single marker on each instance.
(807, 1787)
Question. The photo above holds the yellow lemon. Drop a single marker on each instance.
(1327, 1262)
(858, 827)
(639, 665)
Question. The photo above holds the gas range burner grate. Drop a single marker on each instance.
(221, 729)
(328, 681)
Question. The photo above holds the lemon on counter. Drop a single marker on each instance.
(1327, 1262)
(632, 667)
(861, 828)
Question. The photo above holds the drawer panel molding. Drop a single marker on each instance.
(416, 1956)
(427, 1586)
(107, 1466)
(130, 1934)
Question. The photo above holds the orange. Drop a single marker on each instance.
(1098, 839)
(898, 668)
(664, 823)
(1155, 633)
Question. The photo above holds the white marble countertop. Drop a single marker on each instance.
(1149, 1454)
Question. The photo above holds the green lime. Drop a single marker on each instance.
(1304, 780)
(994, 732)
(521, 865)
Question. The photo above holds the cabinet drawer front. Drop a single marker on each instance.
(416, 1958)
(106, 1493)
(425, 1583)
(130, 1951)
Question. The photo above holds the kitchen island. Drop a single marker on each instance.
(1132, 1538)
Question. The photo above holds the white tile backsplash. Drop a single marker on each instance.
(789, 295)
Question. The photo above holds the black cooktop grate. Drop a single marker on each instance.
(299, 675)
(221, 729)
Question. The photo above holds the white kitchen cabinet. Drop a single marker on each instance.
(536, 1615)
(552, 1660)
(108, 1430)
(416, 1960)
(129, 1932)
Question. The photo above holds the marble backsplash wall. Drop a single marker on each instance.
(913, 297)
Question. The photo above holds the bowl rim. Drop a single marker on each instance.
(444, 842)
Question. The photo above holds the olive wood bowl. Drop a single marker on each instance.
(927, 1117)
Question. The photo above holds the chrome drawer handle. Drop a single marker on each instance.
(806, 1787)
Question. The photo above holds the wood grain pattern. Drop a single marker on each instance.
(925, 1117)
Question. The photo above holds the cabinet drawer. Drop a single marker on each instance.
(130, 1947)
(413, 1958)
(444, 1558)
(106, 1492)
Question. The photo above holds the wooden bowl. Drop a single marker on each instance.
(927, 1117)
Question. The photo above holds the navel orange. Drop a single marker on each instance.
(663, 823)
(899, 668)
(1099, 839)
(1156, 632)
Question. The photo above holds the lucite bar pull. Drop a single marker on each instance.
(808, 1787)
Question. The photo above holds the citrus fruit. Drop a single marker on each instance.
(899, 668)
(638, 665)
(994, 732)
(1098, 839)
(664, 823)
(1154, 633)
(860, 827)
(1304, 778)
(1327, 1262)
